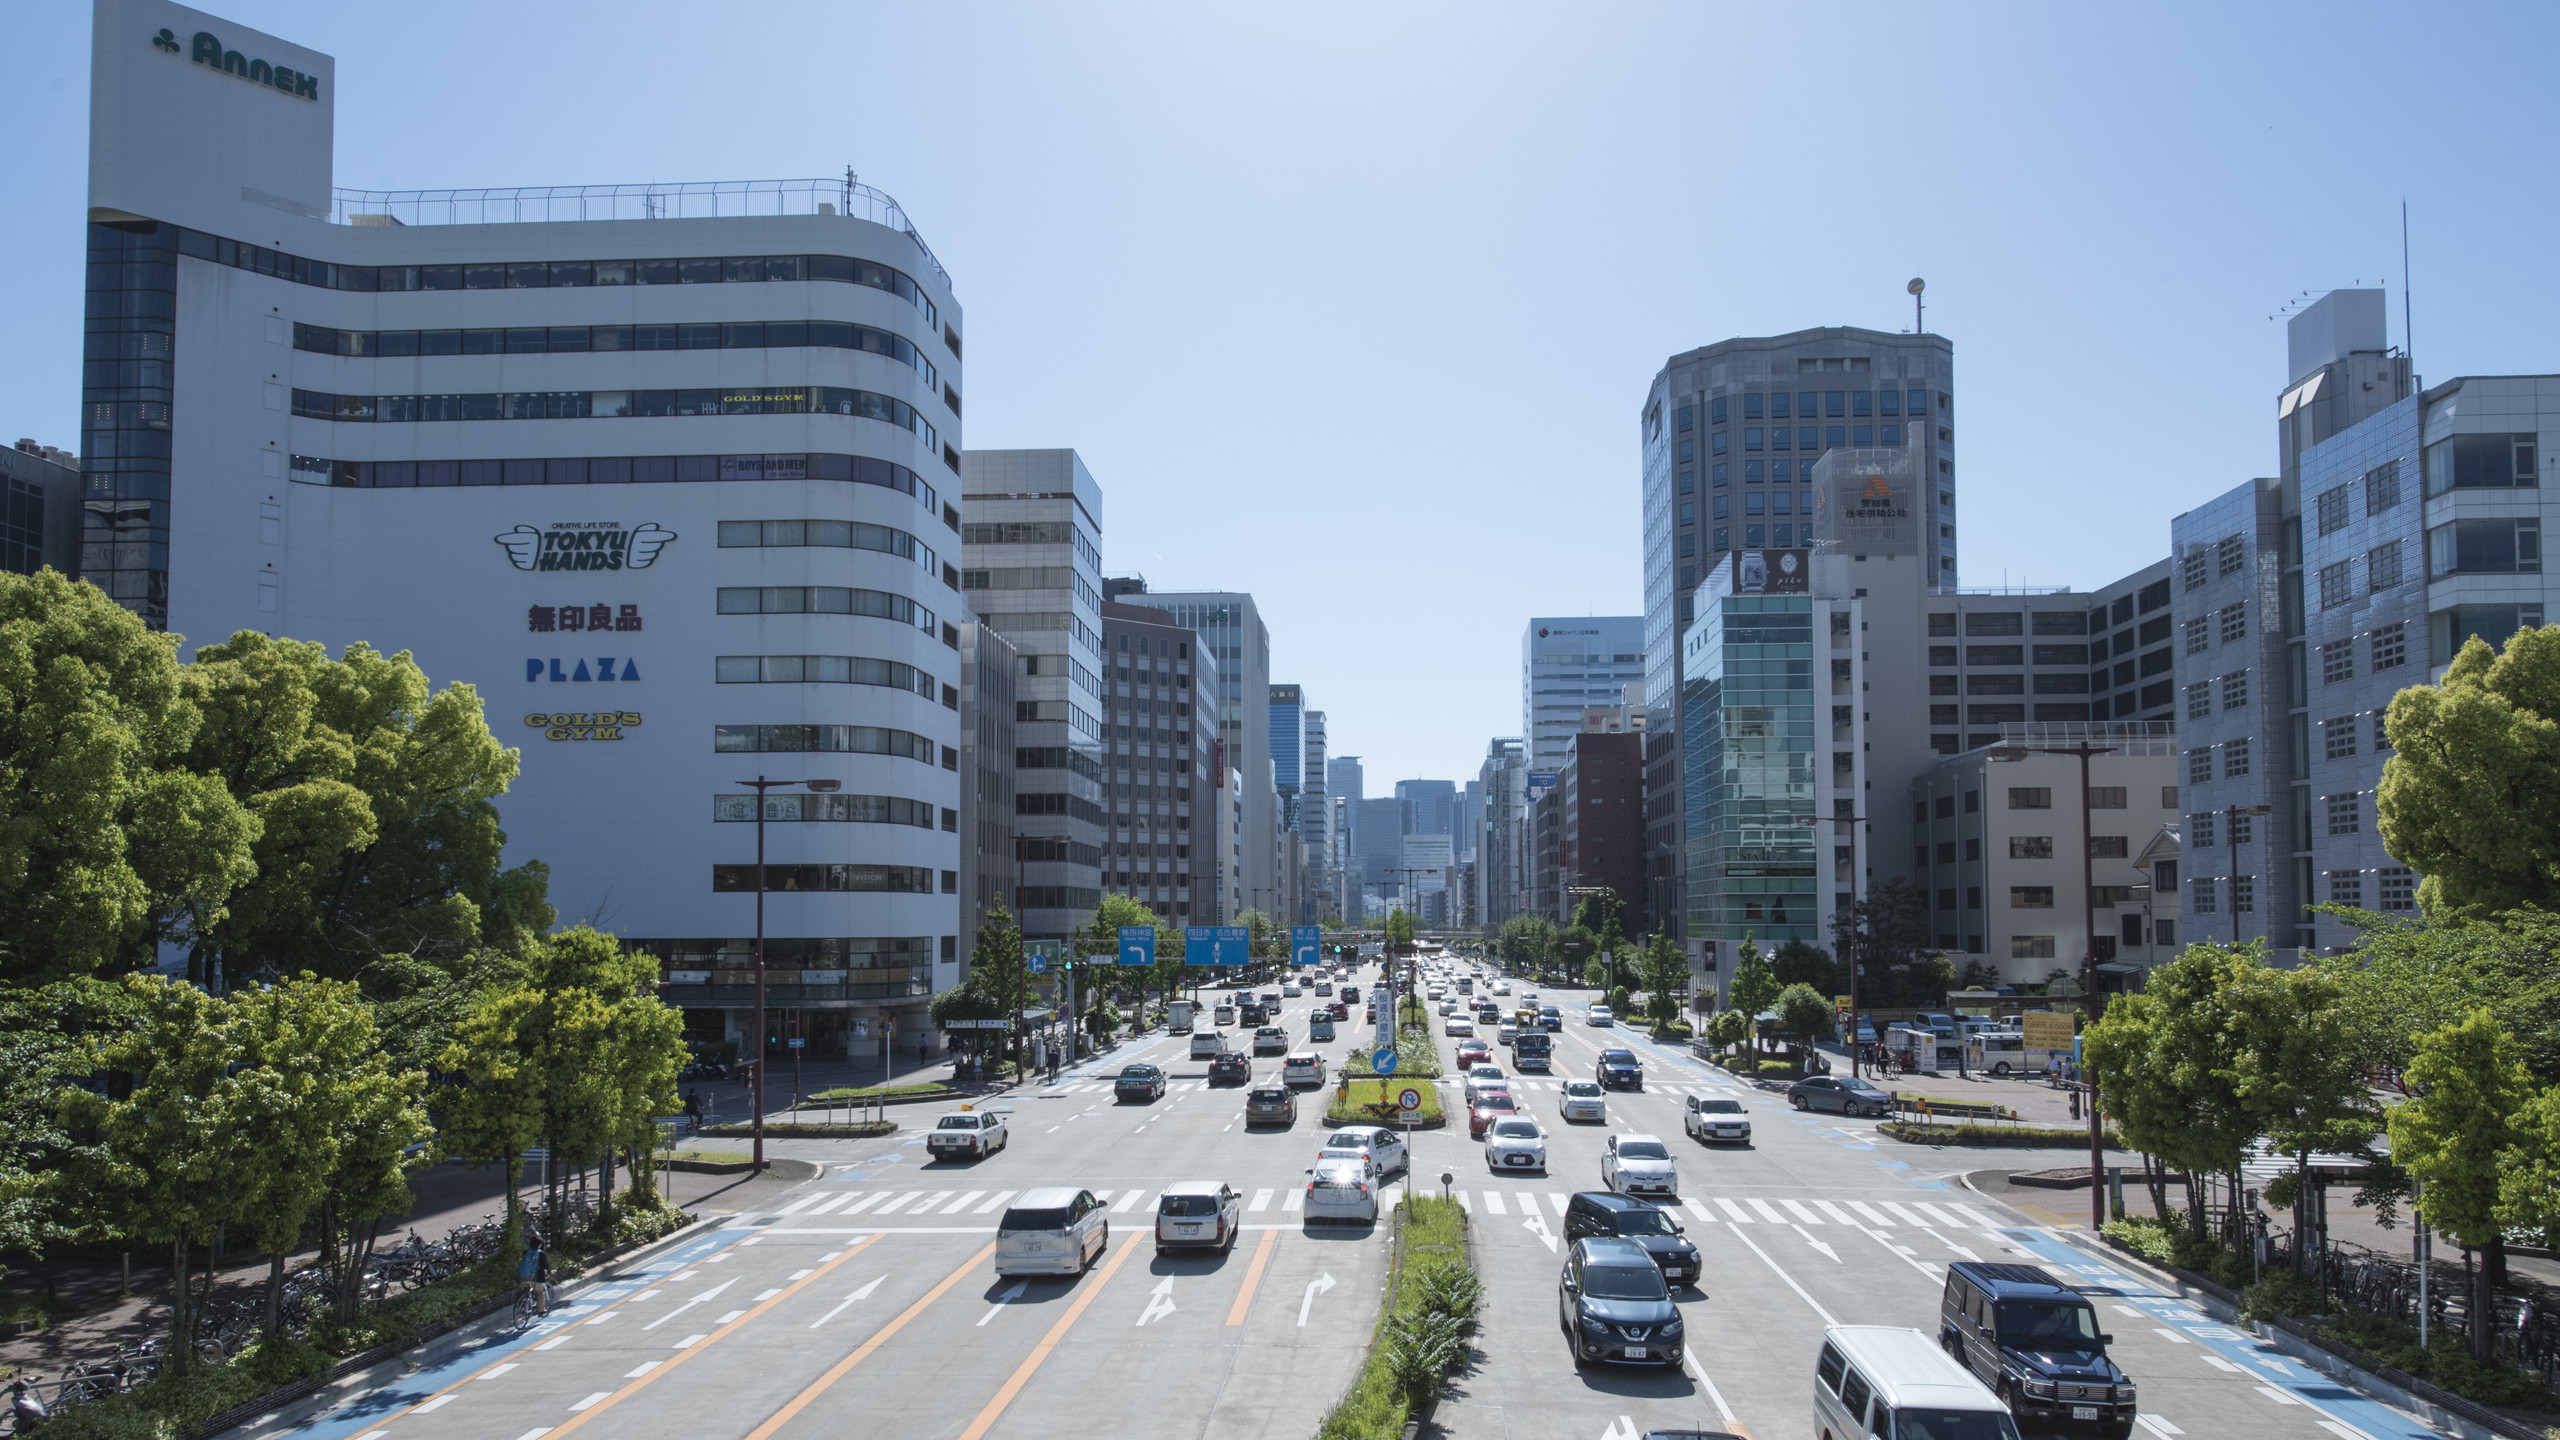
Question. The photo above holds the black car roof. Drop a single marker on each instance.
(1617, 1054)
(1612, 1201)
(2015, 1282)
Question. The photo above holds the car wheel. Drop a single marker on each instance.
(2000, 1069)
(1797, 1101)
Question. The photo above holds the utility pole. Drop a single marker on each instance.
(761, 785)
(1848, 930)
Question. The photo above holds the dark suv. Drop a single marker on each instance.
(1603, 1212)
(1230, 1068)
(1614, 1305)
(2037, 1342)
(1619, 1070)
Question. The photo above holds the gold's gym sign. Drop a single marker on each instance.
(604, 725)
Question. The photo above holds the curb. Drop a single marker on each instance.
(2438, 1409)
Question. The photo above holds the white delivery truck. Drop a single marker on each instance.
(1177, 1016)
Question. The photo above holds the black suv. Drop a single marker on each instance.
(1250, 1014)
(1619, 1070)
(1613, 1305)
(2037, 1342)
(1230, 1068)
(1138, 1082)
(1604, 1212)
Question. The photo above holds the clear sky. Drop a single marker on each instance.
(1354, 306)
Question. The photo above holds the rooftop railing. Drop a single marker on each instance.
(670, 200)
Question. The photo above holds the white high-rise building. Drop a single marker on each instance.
(1570, 665)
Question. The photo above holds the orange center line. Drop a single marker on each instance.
(1022, 1373)
(838, 1371)
(714, 1338)
(1252, 1276)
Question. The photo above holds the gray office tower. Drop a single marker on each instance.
(1288, 750)
(1570, 665)
(2403, 522)
(1502, 837)
(1377, 832)
(1730, 435)
(1230, 627)
(1344, 782)
(1320, 899)
(1430, 807)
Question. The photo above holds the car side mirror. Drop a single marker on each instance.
(2106, 1339)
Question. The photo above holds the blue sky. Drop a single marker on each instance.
(1354, 307)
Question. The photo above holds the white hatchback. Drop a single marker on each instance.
(1341, 1190)
(1481, 1078)
(1303, 1068)
(1515, 1143)
(1639, 1165)
(1584, 1100)
(1458, 1025)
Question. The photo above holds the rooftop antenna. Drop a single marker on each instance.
(1915, 287)
(2406, 341)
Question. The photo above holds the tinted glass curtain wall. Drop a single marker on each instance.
(1752, 775)
(129, 346)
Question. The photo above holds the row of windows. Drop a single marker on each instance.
(1945, 655)
(827, 670)
(622, 404)
(1053, 802)
(617, 470)
(795, 806)
(2227, 556)
(2382, 571)
(828, 739)
(1995, 623)
(2483, 547)
(2023, 847)
(834, 534)
(889, 879)
(1786, 404)
(825, 600)
(2235, 761)
(1057, 757)
(2395, 888)
(2387, 647)
(2235, 695)
(590, 339)
(549, 274)
(2490, 462)
(1806, 437)
(2381, 492)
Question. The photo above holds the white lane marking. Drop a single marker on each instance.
(1159, 1301)
(494, 1371)
(996, 1201)
(860, 1294)
(1767, 1213)
(2130, 1313)
(2277, 1395)
(689, 1342)
(1315, 1287)
(2343, 1430)
(1733, 1211)
(1818, 1245)
(441, 1400)
(1904, 1255)
(536, 1433)
(1130, 1199)
(689, 1304)
(1558, 1202)
(963, 1203)
(1827, 1317)
(1836, 1213)
(1802, 1212)
(1909, 1216)
(865, 1203)
(1724, 1411)
(1261, 1200)
(590, 1401)
(803, 1203)
(1977, 1218)
(1934, 1213)
(2158, 1426)
(830, 1203)
(2174, 1338)
(732, 1315)
(1699, 1209)
(553, 1343)
(1294, 1199)
(1873, 1215)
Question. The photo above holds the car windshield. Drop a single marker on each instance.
(1486, 1072)
(1581, 1087)
(2048, 1325)
(1952, 1425)
(1643, 1150)
(1719, 1107)
(1516, 1130)
(959, 1122)
(1623, 1282)
(1645, 1221)
(1188, 1205)
(1269, 1097)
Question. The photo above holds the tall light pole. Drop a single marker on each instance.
(756, 1075)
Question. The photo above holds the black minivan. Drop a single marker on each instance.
(1606, 1212)
(2036, 1342)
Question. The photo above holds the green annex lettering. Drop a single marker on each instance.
(206, 50)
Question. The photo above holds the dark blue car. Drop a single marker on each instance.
(1139, 1082)
(1619, 1070)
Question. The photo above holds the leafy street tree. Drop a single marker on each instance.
(995, 985)
(2456, 1137)
(1890, 932)
(2168, 1068)
(108, 844)
(48, 1039)
(1729, 1028)
(1664, 970)
(1753, 989)
(1799, 962)
(1527, 942)
(377, 801)
(2403, 981)
(1399, 932)
(1802, 1013)
(1101, 936)
(2470, 797)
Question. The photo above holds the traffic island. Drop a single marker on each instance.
(1434, 1305)
(805, 1130)
(1358, 1101)
(1915, 1132)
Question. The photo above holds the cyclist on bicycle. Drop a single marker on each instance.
(533, 1273)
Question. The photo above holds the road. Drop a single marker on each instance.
(865, 1302)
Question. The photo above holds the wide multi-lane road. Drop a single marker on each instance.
(866, 1303)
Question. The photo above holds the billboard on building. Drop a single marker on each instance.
(1771, 572)
(1865, 506)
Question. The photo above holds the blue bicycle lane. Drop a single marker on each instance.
(431, 1386)
(2279, 1377)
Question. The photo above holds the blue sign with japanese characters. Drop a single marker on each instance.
(1305, 943)
(1216, 945)
(1137, 944)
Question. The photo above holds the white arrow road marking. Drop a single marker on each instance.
(689, 1304)
(1004, 1297)
(1315, 1287)
(862, 1294)
(1818, 1245)
(1624, 1429)
(1537, 1225)
(1159, 1301)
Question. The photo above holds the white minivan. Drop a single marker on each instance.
(1884, 1380)
(1052, 1231)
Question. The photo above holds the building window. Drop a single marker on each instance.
(2332, 506)
(2232, 555)
(2199, 635)
(2199, 834)
(1751, 406)
(1720, 445)
(2244, 894)
(1688, 482)
(2485, 547)
(2382, 566)
(2200, 700)
(2381, 488)
(2337, 661)
(2240, 829)
(2235, 623)
(2235, 759)
(1753, 438)
(1685, 418)
(2191, 568)
(2381, 730)
(2346, 887)
(1973, 897)
(2338, 736)
(2107, 797)
(2390, 646)
(2398, 887)
(1688, 451)
(2030, 797)
(2337, 584)
(2200, 765)
(2343, 813)
(2030, 897)
(2030, 847)
(2110, 847)
(2491, 462)
(2235, 690)
(2030, 947)
(2205, 891)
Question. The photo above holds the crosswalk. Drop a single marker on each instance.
(1519, 1084)
(1921, 1215)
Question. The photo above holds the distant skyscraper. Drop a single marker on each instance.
(1288, 757)
(1231, 630)
(1429, 806)
(1315, 820)
(1500, 849)
(1570, 664)
(1378, 833)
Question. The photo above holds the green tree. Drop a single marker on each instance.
(377, 801)
(48, 1041)
(2403, 980)
(1527, 942)
(1753, 989)
(108, 844)
(1803, 1012)
(1729, 1028)
(1889, 933)
(1399, 932)
(2470, 797)
(1594, 974)
(2456, 1137)
(1665, 973)
(1101, 936)
(1800, 962)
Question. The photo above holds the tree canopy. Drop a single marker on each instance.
(2470, 797)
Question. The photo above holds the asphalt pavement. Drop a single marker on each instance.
(865, 1302)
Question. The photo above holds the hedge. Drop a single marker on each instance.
(1424, 1333)
(1975, 1133)
(1351, 1104)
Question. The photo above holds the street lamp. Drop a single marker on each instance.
(756, 1075)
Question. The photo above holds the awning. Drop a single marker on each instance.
(2121, 967)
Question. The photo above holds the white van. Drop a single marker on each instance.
(1053, 1231)
(1876, 1380)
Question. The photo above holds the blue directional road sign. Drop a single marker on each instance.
(1038, 964)
(1305, 941)
(1216, 945)
(1384, 1062)
(1137, 944)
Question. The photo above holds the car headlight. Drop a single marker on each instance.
(1672, 1327)
(2040, 1389)
(1593, 1326)
(2125, 1393)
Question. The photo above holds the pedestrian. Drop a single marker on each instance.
(693, 1109)
(533, 1272)
(1053, 1064)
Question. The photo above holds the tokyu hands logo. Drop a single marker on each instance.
(585, 545)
